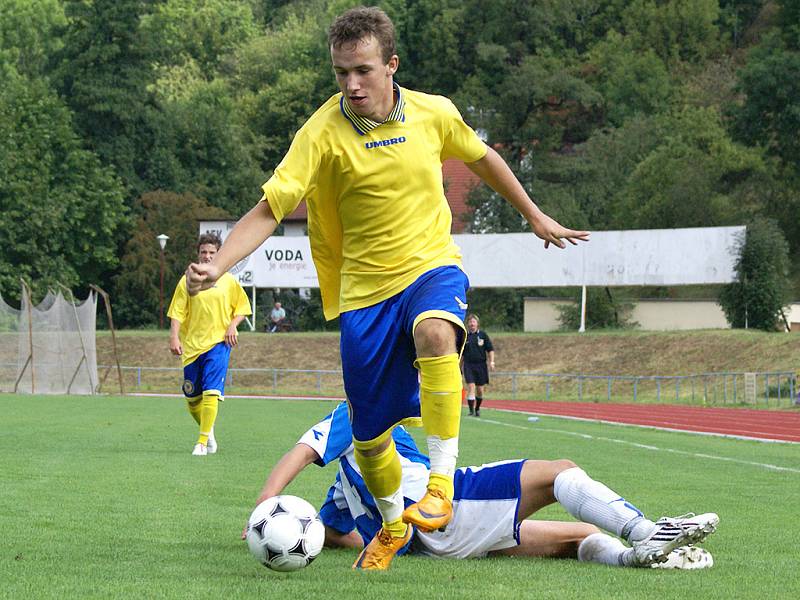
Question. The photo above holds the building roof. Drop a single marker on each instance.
(458, 182)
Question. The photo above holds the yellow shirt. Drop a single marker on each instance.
(377, 214)
(205, 317)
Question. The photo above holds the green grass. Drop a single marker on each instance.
(100, 498)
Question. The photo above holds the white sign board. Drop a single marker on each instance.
(702, 255)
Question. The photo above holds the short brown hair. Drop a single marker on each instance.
(473, 316)
(209, 238)
(361, 22)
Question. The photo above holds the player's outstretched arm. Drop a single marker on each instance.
(248, 234)
(497, 174)
(285, 470)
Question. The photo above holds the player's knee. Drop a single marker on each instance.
(435, 337)
(561, 465)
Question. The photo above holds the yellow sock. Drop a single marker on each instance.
(208, 415)
(195, 406)
(383, 475)
(440, 395)
(443, 483)
(440, 406)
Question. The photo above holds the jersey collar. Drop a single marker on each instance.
(363, 125)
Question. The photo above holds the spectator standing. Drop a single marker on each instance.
(477, 349)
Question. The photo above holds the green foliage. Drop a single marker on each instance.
(761, 289)
(500, 309)
(603, 311)
(631, 82)
(203, 147)
(203, 31)
(102, 72)
(304, 314)
(769, 115)
(61, 211)
(28, 34)
(137, 287)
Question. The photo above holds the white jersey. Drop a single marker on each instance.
(485, 505)
(332, 439)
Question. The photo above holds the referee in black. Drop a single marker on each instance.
(477, 349)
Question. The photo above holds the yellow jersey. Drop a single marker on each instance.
(205, 317)
(377, 214)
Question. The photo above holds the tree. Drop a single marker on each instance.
(204, 31)
(136, 288)
(769, 114)
(62, 211)
(762, 287)
(103, 72)
(28, 34)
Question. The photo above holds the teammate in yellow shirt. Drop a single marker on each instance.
(202, 332)
(368, 163)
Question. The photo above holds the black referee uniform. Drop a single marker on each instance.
(475, 349)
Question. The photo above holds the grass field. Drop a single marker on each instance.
(100, 498)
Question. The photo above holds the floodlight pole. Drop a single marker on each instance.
(162, 242)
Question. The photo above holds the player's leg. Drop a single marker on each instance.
(440, 407)
(434, 315)
(550, 539)
(470, 390)
(214, 369)
(478, 399)
(382, 391)
(192, 391)
(593, 502)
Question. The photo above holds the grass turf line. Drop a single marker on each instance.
(99, 498)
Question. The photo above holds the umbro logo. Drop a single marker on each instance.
(389, 142)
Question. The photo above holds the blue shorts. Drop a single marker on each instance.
(378, 353)
(207, 373)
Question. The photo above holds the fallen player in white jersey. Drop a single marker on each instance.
(491, 506)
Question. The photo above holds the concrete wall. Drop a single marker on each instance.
(672, 315)
(540, 314)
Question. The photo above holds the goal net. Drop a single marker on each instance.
(49, 348)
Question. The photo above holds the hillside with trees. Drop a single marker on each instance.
(122, 119)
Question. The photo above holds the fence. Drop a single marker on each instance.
(776, 389)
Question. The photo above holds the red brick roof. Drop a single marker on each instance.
(458, 182)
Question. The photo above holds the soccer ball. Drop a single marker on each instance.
(284, 533)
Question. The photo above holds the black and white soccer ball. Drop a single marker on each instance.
(284, 533)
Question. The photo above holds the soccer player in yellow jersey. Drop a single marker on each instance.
(368, 163)
(202, 332)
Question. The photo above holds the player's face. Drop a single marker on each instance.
(472, 325)
(364, 79)
(206, 253)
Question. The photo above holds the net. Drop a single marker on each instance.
(49, 348)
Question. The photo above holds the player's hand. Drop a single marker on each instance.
(201, 276)
(552, 232)
(175, 346)
(491, 365)
(244, 533)
(231, 336)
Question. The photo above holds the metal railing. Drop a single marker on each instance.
(776, 389)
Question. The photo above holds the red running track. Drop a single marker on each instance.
(740, 422)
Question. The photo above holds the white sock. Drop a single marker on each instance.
(593, 502)
(602, 548)
(443, 454)
(391, 507)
